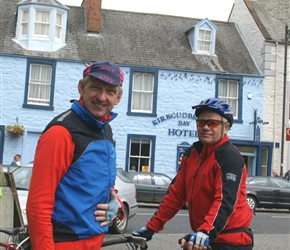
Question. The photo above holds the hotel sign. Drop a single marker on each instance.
(183, 122)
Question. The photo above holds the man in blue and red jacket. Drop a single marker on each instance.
(211, 180)
(71, 199)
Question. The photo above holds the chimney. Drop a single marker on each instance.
(93, 14)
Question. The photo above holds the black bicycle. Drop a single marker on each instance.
(18, 239)
(132, 242)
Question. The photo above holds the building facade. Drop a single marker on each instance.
(262, 25)
(169, 63)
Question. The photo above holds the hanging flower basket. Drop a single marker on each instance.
(15, 130)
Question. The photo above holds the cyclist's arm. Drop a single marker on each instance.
(172, 202)
(54, 154)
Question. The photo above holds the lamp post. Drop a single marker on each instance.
(287, 34)
(257, 121)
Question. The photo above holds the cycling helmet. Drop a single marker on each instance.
(217, 105)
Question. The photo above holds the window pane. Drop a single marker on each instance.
(41, 25)
(222, 88)
(145, 148)
(233, 89)
(161, 181)
(147, 100)
(136, 101)
(204, 40)
(145, 179)
(229, 92)
(142, 92)
(39, 84)
(148, 82)
(137, 81)
(58, 26)
(24, 24)
(258, 182)
(140, 153)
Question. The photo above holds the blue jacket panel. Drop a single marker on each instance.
(89, 178)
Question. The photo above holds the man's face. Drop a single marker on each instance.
(99, 97)
(211, 133)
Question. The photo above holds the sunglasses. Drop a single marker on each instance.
(210, 123)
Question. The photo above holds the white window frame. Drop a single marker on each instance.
(139, 157)
(40, 82)
(228, 95)
(142, 96)
(204, 41)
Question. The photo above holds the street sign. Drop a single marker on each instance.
(287, 134)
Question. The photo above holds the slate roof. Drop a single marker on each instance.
(139, 39)
(271, 17)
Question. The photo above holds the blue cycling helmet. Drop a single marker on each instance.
(217, 105)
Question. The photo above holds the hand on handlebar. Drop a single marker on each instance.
(195, 241)
(144, 232)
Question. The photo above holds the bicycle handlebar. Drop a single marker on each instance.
(140, 241)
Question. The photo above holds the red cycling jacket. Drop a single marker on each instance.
(212, 180)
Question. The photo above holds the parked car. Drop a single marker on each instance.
(124, 186)
(151, 187)
(268, 192)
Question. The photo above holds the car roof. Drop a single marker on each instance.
(133, 173)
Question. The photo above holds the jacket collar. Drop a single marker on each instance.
(211, 148)
(87, 116)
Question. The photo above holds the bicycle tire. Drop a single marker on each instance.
(25, 245)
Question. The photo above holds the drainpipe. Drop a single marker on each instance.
(287, 34)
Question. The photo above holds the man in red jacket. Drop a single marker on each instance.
(211, 180)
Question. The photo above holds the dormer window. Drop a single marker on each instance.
(202, 37)
(204, 41)
(41, 26)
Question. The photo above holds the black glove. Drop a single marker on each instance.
(144, 232)
(186, 238)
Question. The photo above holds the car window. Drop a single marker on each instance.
(123, 176)
(144, 179)
(278, 183)
(161, 180)
(262, 182)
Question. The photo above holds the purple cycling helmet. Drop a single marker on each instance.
(217, 105)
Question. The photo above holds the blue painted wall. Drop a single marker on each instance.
(177, 92)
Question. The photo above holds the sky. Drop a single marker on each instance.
(212, 9)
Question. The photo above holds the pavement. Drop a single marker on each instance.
(261, 241)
